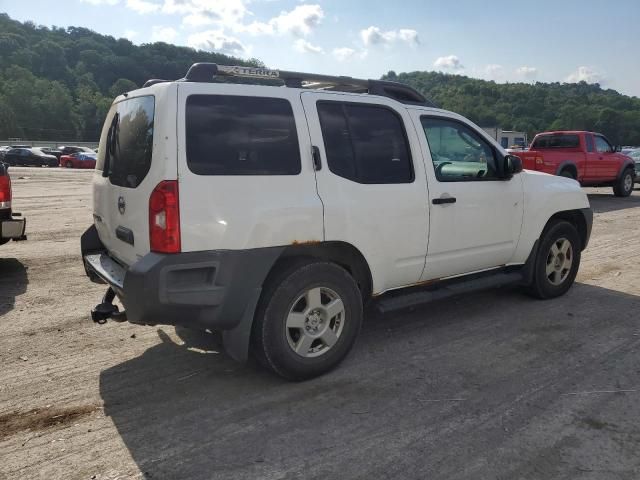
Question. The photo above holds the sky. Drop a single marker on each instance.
(514, 41)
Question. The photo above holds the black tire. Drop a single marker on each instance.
(567, 174)
(270, 339)
(68, 164)
(624, 185)
(542, 285)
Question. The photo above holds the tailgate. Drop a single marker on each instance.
(136, 153)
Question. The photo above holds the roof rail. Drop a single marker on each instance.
(208, 72)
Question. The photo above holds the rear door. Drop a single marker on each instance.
(137, 151)
(245, 168)
(593, 164)
(371, 182)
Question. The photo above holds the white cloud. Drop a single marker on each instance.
(494, 71)
(373, 36)
(450, 62)
(130, 34)
(527, 72)
(142, 6)
(344, 53)
(409, 36)
(216, 41)
(585, 74)
(302, 46)
(299, 21)
(101, 2)
(163, 34)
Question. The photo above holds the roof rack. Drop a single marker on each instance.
(209, 72)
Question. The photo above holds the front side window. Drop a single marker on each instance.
(365, 143)
(458, 152)
(126, 144)
(235, 135)
(602, 145)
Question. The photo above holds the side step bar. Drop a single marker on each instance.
(448, 289)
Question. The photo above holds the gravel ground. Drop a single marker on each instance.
(494, 385)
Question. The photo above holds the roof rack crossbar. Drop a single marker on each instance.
(208, 72)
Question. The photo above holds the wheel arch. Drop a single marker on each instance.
(578, 219)
(626, 165)
(569, 166)
(338, 252)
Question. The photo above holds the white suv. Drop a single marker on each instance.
(274, 213)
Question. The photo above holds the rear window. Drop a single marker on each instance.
(126, 144)
(556, 141)
(235, 135)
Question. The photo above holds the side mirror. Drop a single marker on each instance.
(511, 166)
(617, 148)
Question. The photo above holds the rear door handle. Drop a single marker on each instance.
(317, 162)
(443, 200)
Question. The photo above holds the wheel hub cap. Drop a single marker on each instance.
(559, 261)
(315, 322)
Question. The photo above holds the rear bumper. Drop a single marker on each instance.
(217, 289)
(13, 229)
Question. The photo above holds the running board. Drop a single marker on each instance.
(448, 288)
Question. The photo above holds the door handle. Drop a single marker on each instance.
(443, 200)
(317, 162)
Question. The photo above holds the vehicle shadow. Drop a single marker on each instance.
(602, 202)
(425, 392)
(13, 282)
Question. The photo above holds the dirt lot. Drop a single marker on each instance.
(494, 385)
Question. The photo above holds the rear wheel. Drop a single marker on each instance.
(557, 260)
(568, 174)
(308, 319)
(624, 185)
(68, 164)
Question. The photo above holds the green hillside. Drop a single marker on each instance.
(57, 84)
(532, 108)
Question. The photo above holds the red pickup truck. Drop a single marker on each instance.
(586, 157)
(10, 228)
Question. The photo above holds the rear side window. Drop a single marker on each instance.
(365, 143)
(234, 135)
(557, 141)
(126, 144)
(589, 139)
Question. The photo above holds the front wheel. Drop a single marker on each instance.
(624, 185)
(557, 260)
(308, 319)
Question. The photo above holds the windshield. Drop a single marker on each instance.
(126, 142)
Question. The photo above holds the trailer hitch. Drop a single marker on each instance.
(105, 310)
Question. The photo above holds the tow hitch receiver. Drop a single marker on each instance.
(105, 310)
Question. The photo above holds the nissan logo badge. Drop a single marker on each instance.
(121, 205)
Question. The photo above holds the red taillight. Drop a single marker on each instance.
(164, 218)
(5, 191)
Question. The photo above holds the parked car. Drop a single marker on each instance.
(634, 154)
(78, 160)
(52, 151)
(30, 157)
(586, 157)
(296, 206)
(12, 226)
(3, 150)
(73, 149)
